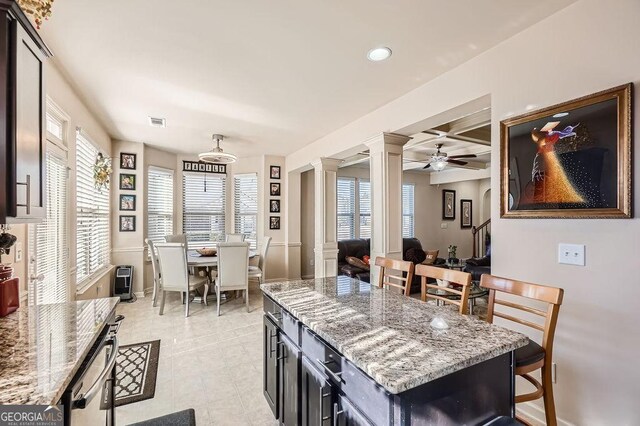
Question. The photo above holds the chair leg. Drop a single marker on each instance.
(206, 292)
(218, 298)
(182, 296)
(547, 396)
(164, 294)
(154, 297)
(246, 296)
(186, 307)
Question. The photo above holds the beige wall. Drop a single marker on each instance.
(307, 214)
(587, 47)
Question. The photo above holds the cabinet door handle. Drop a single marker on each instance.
(336, 414)
(336, 376)
(28, 185)
(271, 336)
(323, 418)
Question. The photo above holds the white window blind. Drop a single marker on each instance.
(364, 197)
(48, 250)
(245, 207)
(159, 204)
(407, 211)
(55, 128)
(203, 208)
(92, 209)
(346, 208)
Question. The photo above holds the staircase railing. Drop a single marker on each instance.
(481, 238)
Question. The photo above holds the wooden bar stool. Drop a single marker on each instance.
(456, 277)
(387, 278)
(532, 356)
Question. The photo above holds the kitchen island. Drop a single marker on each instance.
(340, 351)
(42, 348)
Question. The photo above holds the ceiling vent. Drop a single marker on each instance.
(157, 122)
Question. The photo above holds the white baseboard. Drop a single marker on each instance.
(535, 414)
(139, 294)
(308, 277)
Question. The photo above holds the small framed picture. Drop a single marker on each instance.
(187, 166)
(127, 223)
(202, 167)
(275, 172)
(274, 206)
(448, 204)
(127, 181)
(274, 222)
(127, 161)
(127, 202)
(208, 168)
(466, 213)
(275, 189)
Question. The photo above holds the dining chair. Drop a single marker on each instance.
(387, 278)
(156, 270)
(259, 271)
(533, 356)
(235, 238)
(178, 238)
(175, 273)
(446, 294)
(233, 267)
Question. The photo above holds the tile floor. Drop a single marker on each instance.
(209, 363)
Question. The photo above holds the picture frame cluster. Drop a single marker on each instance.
(274, 203)
(126, 201)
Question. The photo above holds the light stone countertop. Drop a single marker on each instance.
(42, 348)
(387, 335)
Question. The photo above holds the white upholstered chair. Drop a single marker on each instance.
(235, 238)
(179, 238)
(258, 272)
(156, 270)
(233, 267)
(172, 258)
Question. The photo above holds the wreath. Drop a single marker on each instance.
(102, 172)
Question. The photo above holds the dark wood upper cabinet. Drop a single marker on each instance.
(22, 117)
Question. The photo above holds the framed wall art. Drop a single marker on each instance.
(275, 189)
(466, 213)
(127, 181)
(274, 172)
(274, 206)
(127, 161)
(448, 204)
(127, 223)
(274, 222)
(571, 160)
(127, 202)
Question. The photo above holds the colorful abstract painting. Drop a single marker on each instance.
(570, 160)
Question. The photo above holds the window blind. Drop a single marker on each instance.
(346, 208)
(48, 250)
(159, 204)
(407, 211)
(55, 128)
(203, 208)
(364, 197)
(245, 207)
(92, 210)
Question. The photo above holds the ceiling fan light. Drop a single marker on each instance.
(217, 155)
(439, 164)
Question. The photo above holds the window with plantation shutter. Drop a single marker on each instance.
(203, 208)
(346, 208)
(407, 211)
(48, 248)
(92, 211)
(364, 198)
(245, 207)
(159, 204)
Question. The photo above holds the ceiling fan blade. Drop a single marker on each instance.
(463, 156)
(427, 166)
(459, 163)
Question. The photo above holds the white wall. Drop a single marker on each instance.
(587, 47)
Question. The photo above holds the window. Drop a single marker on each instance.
(159, 204)
(48, 248)
(203, 208)
(346, 208)
(245, 207)
(364, 197)
(407, 211)
(92, 214)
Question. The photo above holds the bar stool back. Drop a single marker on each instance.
(532, 356)
(387, 278)
(456, 277)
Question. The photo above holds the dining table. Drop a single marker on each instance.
(196, 260)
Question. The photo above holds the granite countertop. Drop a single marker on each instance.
(387, 335)
(42, 347)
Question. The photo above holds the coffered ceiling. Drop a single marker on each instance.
(272, 76)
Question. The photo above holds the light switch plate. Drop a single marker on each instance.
(443, 225)
(571, 254)
(17, 252)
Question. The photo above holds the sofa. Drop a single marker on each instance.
(478, 266)
(362, 246)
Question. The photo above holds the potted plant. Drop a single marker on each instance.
(6, 242)
(452, 254)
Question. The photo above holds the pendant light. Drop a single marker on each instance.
(216, 155)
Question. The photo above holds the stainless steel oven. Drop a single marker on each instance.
(90, 398)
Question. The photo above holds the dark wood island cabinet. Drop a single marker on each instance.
(340, 352)
(22, 117)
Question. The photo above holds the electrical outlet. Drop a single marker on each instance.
(571, 254)
(554, 376)
(18, 252)
(444, 225)
(311, 262)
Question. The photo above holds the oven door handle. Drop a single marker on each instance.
(85, 399)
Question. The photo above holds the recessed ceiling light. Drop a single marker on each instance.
(560, 115)
(379, 54)
(157, 122)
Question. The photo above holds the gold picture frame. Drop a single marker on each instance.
(570, 160)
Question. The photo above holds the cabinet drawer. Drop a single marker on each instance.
(291, 327)
(366, 394)
(323, 356)
(272, 310)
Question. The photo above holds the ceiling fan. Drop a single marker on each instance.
(439, 160)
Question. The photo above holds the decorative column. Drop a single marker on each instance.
(326, 218)
(385, 151)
